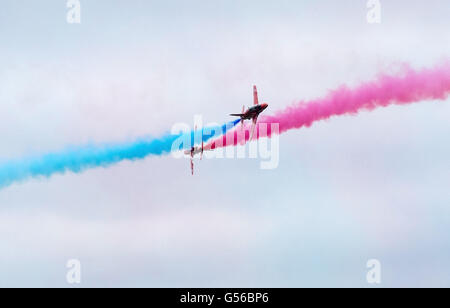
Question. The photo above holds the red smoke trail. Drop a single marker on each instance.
(407, 87)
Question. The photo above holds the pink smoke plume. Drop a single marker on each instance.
(409, 86)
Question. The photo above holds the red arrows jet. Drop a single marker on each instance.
(194, 151)
(252, 112)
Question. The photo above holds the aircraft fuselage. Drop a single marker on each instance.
(253, 112)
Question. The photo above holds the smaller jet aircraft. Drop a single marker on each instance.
(251, 113)
(194, 151)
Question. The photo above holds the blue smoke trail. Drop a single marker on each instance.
(90, 156)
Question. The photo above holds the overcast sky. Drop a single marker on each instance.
(346, 190)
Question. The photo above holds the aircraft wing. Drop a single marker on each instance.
(255, 96)
(254, 120)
